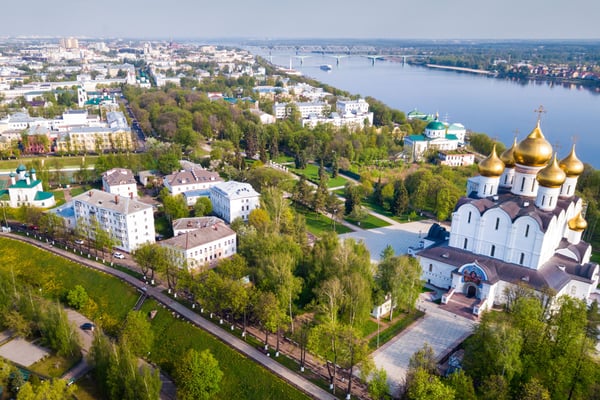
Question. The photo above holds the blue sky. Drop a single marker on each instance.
(416, 19)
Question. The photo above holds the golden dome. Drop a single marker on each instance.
(578, 223)
(552, 176)
(508, 155)
(534, 150)
(491, 166)
(571, 164)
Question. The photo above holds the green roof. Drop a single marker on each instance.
(43, 196)
(418, 138)
(451, 137)
(436, 126)
(22, 184)
(21, 167)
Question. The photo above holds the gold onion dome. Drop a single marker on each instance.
(508, 155)
(552, 176)
(578, 223)
(491, 166)
(534, 150)
(571, 164)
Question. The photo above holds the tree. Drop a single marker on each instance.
(137, 333)
(57, 331)
(401, 198)
(401, 277)
(51, 389)
(77, 297)
(202, 207)
(462, 385)
(175, 206)
(426, 386)
(325, 340)
(197, 375)
(534, 390)
(378, 386)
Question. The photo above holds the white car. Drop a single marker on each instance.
(119, 256)
(78, 241)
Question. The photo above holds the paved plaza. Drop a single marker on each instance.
(440, 329)
(22, 352)
(399, 236)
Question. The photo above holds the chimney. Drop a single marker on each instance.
(90, 193)
(116, 199)
(131, 195)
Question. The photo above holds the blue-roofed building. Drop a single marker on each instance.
(23, 188)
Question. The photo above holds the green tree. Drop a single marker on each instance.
(51, 389)
(175, 206)
(137, 334)
(534, 390)
(58, 333)
(197, 375)
(202, 207)
(378, 386)
(77, 297)
(426, 386)
(462, 385)
(400, 276)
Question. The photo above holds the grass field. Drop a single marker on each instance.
(311, 172)
(67, 161)
(54, 366)
(284, 159)
(318, 224)
(369, 222)
(59, 196)
(243, 378)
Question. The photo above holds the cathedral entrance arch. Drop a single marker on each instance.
(471, 291)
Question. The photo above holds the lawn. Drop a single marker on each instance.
(59, 196)
(318, 224)
(369, 222)
(283, 159)
(311, 172)
(369, 327)
(70, 161)
(55, 276)
(54, 366)
(113, 299)
(242, 378)
(77, 190)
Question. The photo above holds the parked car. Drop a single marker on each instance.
(88, 326)
(78, 241)
(118, 255)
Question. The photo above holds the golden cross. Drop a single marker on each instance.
(516, 132)
(540, 111)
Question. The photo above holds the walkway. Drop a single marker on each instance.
(155, 292)
(440, 329)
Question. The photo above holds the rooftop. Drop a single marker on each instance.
(118, 176)
(200, 236)
(235, 190)
(120, 204)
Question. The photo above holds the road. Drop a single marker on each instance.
(156, 293)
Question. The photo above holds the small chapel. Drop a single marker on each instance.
(519, 223)
(23, 188)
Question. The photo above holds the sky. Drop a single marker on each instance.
(274, 19)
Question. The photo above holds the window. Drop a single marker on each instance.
(469, 219)
(527, 230)
(465, 244)
(430, 267)
(522, 184)
(522, 258)
(533, 185)
(497, 223)
(493, 251)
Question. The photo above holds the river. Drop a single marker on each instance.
(490, 105)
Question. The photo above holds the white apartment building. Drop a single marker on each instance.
(232, 199)
(191, 179)
(284, 110)
(185, 225)
(129, 221)
(203, 246)
(120, 181)
(357, 107)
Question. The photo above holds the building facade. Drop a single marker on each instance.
(191, 179)
(24, 189)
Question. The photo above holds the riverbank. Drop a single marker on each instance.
(461, 69)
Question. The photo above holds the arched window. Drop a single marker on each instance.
(465, 244)
(430, 267)
(469, 218)
(523, 184)
(527, 230)
(497, 223)
(522, 258)
(493, 251)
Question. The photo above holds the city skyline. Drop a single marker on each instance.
(379, 19)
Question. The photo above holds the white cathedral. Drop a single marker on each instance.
(520, 222)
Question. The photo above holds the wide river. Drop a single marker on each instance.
(493, 106)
